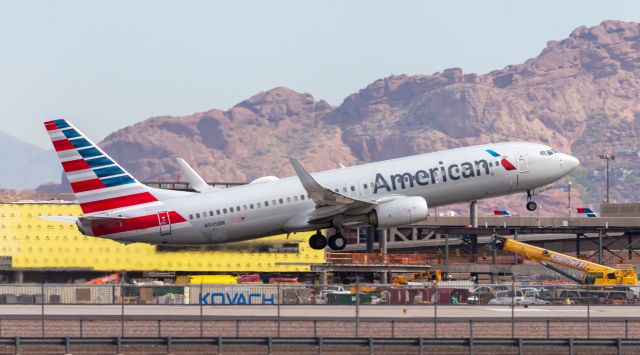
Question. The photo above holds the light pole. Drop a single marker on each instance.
(569, 195)
(607, 157)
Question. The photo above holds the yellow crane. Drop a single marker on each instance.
(594, 274)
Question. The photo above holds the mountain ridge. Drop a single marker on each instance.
(580, 95)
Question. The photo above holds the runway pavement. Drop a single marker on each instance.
(319, 312)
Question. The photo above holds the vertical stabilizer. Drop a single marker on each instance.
(98, 182)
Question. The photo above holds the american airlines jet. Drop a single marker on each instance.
(383, 194)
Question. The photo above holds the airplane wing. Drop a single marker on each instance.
(323, 196)
(329, 203)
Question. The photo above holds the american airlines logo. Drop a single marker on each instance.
(568, 261)
(451, 172)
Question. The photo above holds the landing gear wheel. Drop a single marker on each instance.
(337, 242)
(532, 206)
(318, 241)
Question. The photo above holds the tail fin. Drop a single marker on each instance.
(99, 183)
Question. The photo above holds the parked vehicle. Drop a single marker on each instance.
(519, 297)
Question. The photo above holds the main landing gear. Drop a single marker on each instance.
(335, 242)
(531, 205)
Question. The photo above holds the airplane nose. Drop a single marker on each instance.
(571, 162)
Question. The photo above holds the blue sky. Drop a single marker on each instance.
(106, 65)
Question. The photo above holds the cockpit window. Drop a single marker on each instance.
(551, 152)
(543, 153)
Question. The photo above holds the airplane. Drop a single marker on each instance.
(382, 194)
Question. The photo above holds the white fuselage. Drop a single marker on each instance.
(268, 208)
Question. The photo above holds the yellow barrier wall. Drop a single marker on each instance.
(33, 242)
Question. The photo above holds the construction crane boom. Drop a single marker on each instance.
(593, 273)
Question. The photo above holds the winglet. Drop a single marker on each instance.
(319, 194)
(308, 182)
(195, 180)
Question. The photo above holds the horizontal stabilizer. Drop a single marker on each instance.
(62, 219)
(99, 221)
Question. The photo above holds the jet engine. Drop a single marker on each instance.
(399, 212)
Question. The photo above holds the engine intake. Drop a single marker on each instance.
(399, 212)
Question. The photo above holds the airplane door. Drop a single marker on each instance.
(165, 223)
(523, 163)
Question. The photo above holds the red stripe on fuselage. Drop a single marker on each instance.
(176, 217)
(87, 185)
(117, 202)
(62, 144)
(136, 223)
(75, 165)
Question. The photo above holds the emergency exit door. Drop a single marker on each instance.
(165, 223)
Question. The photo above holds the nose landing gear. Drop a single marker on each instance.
(531, 205)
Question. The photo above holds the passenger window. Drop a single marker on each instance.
(231, 209)
(251, 205)
(353, 188)
(266, 204)
(302, 197)
(244, 207)
(218, 212)
(490, 164)
(281, 201)
(197, 215)
(337, 190)
(190, 216)
(364, 186)
(295, 198)
(238, 208)
(288, 199)
(210, 213)
(344, 189)
(224, 210)
(273, 202)
(258, 204)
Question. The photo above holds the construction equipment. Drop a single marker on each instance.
(430, 275)
(206, 279)
(113, 278)
(594, 274)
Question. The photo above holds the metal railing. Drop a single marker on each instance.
(269, 344)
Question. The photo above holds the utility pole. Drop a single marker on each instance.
(569, 192)
(607, 157)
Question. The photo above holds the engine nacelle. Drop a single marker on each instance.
(400, 212)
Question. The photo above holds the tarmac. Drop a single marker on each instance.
(321, 312)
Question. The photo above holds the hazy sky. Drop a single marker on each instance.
(105, 65)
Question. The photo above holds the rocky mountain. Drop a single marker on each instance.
(580, 95)
(29, 166)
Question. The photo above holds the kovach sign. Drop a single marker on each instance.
(235, 298)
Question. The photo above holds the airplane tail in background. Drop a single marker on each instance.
(99, 183)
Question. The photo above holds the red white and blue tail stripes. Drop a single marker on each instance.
(98, 182)
(588, 212)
